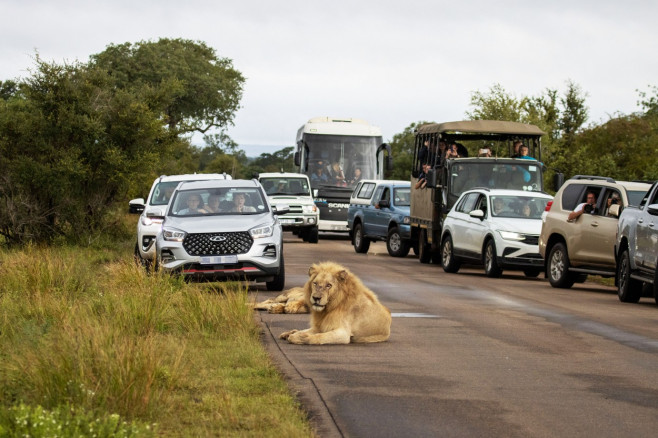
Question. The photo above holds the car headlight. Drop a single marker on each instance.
(309, 208)
(173, 234)
(509, 235)
(261, 231)
(406, 220)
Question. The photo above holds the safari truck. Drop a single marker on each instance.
(294, 190)
(452, 157)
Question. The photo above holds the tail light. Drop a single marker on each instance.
(548, 206)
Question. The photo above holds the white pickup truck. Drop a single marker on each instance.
(294, 190)
(636, 248)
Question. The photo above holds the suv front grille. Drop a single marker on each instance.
(296, 209)
(221, 243)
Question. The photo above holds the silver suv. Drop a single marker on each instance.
(150, 221)
(574, 248)
(223, 230)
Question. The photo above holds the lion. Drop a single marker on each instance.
(291, 301)
(343, 309)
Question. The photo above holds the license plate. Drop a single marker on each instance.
(286, 221)
(219, 260)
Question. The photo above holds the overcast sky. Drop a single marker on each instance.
(389, 62)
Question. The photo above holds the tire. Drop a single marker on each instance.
(144, 263)
(361, 243)
(490, 259)
(313, 235)
(557, 267)
(629, 290)
(395, 244)
(532, 272)
(279, 281)
(450, 262)
(424, 250)
(303, 234)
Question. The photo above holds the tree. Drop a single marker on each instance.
(402, 149)
(185, 80)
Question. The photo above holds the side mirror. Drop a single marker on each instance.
(154, 212)
(652, 209)
(280, 209)
(614, 210)
(479, 214)
(384, 203)
(558, 180)
(136, 205)
(297, 159)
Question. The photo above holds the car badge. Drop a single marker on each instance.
(217, 239)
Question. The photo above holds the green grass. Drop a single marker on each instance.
(89, 340)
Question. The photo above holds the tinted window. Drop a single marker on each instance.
(468, 204)
(402, 196)
(571, 196)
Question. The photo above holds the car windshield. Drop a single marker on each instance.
(286, 186)
(635, 196)
(401, 196)
(218, 202)
(529, 207)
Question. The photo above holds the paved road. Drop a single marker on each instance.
(470, 356)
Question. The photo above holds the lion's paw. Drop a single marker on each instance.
(276, 308)
(299, 338)
(286, 335)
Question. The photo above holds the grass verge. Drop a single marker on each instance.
(91, 345)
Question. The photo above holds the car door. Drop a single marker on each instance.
(462, 223)
(476, 228)
(646, 236)
(370, 213)
(382, 214)
(599, 233)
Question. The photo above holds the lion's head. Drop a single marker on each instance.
(326, 287)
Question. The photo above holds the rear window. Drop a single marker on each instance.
(571, 196)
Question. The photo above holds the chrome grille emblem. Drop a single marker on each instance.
(217, 239)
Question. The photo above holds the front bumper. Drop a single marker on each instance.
(296, 221)
(261, 263)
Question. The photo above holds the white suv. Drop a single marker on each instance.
(223, 230)
(152, 211)
(294, 190)
(496, 228)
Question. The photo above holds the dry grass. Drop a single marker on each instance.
(87, 329)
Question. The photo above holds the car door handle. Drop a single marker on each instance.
(595, 224)
(651, 224)
(640, 221)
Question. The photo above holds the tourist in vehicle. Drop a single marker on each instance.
(422, 178)
(212, 205)
(484, 153)
(526, 211)
(585, 207)
(319, 175)
(612, 200)
(523, 152)
(193, 202)
(357, 176)
(517, 146)
(338, 175)
(498, 206)
(239, 206)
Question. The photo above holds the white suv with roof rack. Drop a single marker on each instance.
(150, 221)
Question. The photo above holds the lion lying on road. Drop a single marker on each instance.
(343, 309)
(291, 301)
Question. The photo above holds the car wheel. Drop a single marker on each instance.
(558, 267)
(313, 235)
(532, 272)
(303, 234)
(450, 262)
(491, 267)
(279, 281)
(629, 290)
(361, 244)
(144, 263)
(395, 244)
(424, 250)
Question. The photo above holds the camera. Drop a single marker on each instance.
(614, 201)
(589, 208)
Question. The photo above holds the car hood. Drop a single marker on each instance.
(211, 224)
(517, 225)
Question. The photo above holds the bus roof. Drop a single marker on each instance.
(339, 126)
(482, 127)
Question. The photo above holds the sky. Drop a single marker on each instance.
(391, 63)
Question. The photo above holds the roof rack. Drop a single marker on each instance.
(594, 177)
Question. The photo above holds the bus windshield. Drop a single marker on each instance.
(340, 160)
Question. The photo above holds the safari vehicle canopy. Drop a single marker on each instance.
(484, 156)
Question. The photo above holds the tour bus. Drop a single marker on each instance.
(484, 156)
(336, 154)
